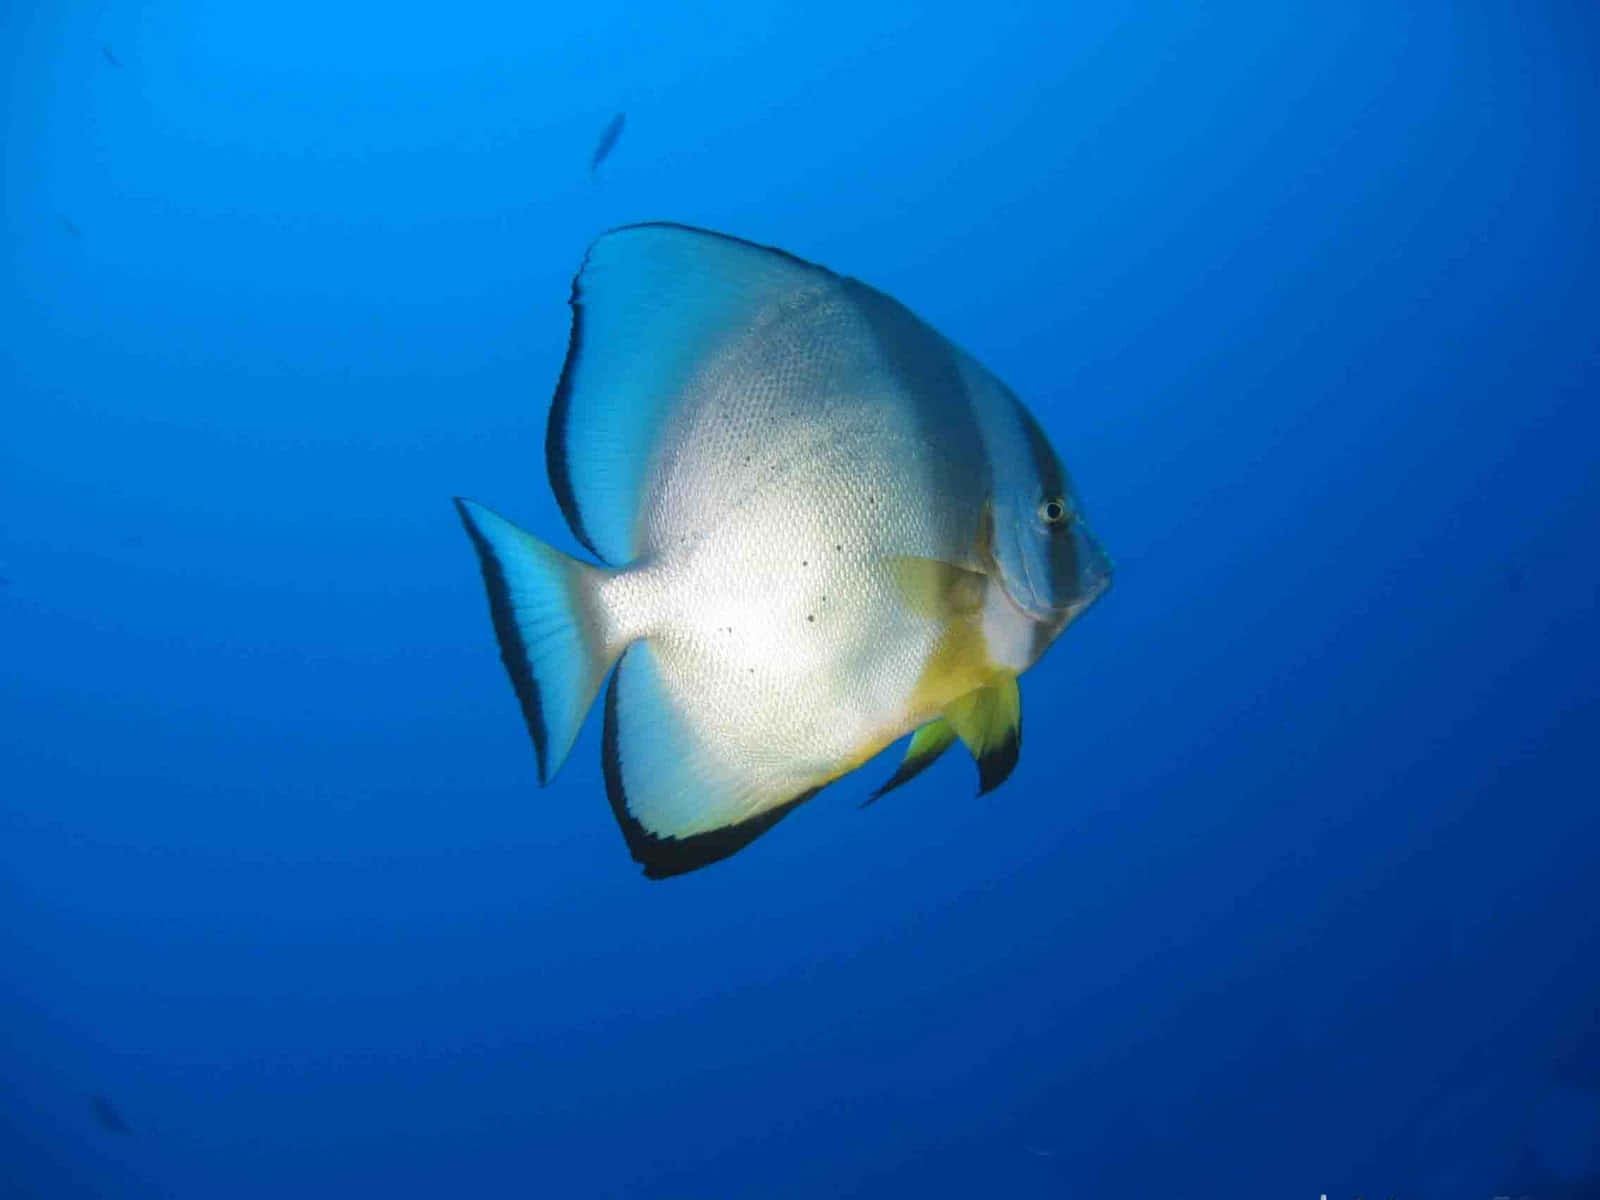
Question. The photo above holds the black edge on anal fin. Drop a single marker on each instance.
(996, 763)
(513, 650)
(662, 857)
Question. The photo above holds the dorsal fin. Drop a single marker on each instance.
(652, 305)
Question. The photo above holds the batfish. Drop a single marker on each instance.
(816, 525)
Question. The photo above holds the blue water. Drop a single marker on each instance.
(1296, 890)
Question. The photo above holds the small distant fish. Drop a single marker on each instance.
(1040, 1152)
(607, 143)
(1514, 580)
(110, 57)
(71, 228)
(108, 1116)
(821, 524)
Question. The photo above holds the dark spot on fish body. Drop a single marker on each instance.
(811, 616)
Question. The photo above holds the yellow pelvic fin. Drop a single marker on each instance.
(927, 743)
(989, 721)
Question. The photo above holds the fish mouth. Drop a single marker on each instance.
(1094, 572)
(1093, 586)
(1050, 605)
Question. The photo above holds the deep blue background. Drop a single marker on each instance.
(1295, 890)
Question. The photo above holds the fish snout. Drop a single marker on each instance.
(1094, 572)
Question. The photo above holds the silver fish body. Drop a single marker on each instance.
(823, 526)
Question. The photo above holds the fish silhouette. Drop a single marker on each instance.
(607, 142)
(106, 1113)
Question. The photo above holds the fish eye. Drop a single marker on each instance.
(1053, 510)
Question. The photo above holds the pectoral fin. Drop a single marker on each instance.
(938, 590)
(927, 743)
(989, 722)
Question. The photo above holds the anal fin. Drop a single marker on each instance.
(683, 793)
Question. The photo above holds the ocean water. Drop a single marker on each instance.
(1296, 889)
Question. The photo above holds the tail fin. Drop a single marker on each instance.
(544, 607)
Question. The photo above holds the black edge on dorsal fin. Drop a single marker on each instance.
(555, 437)
(561, 423)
